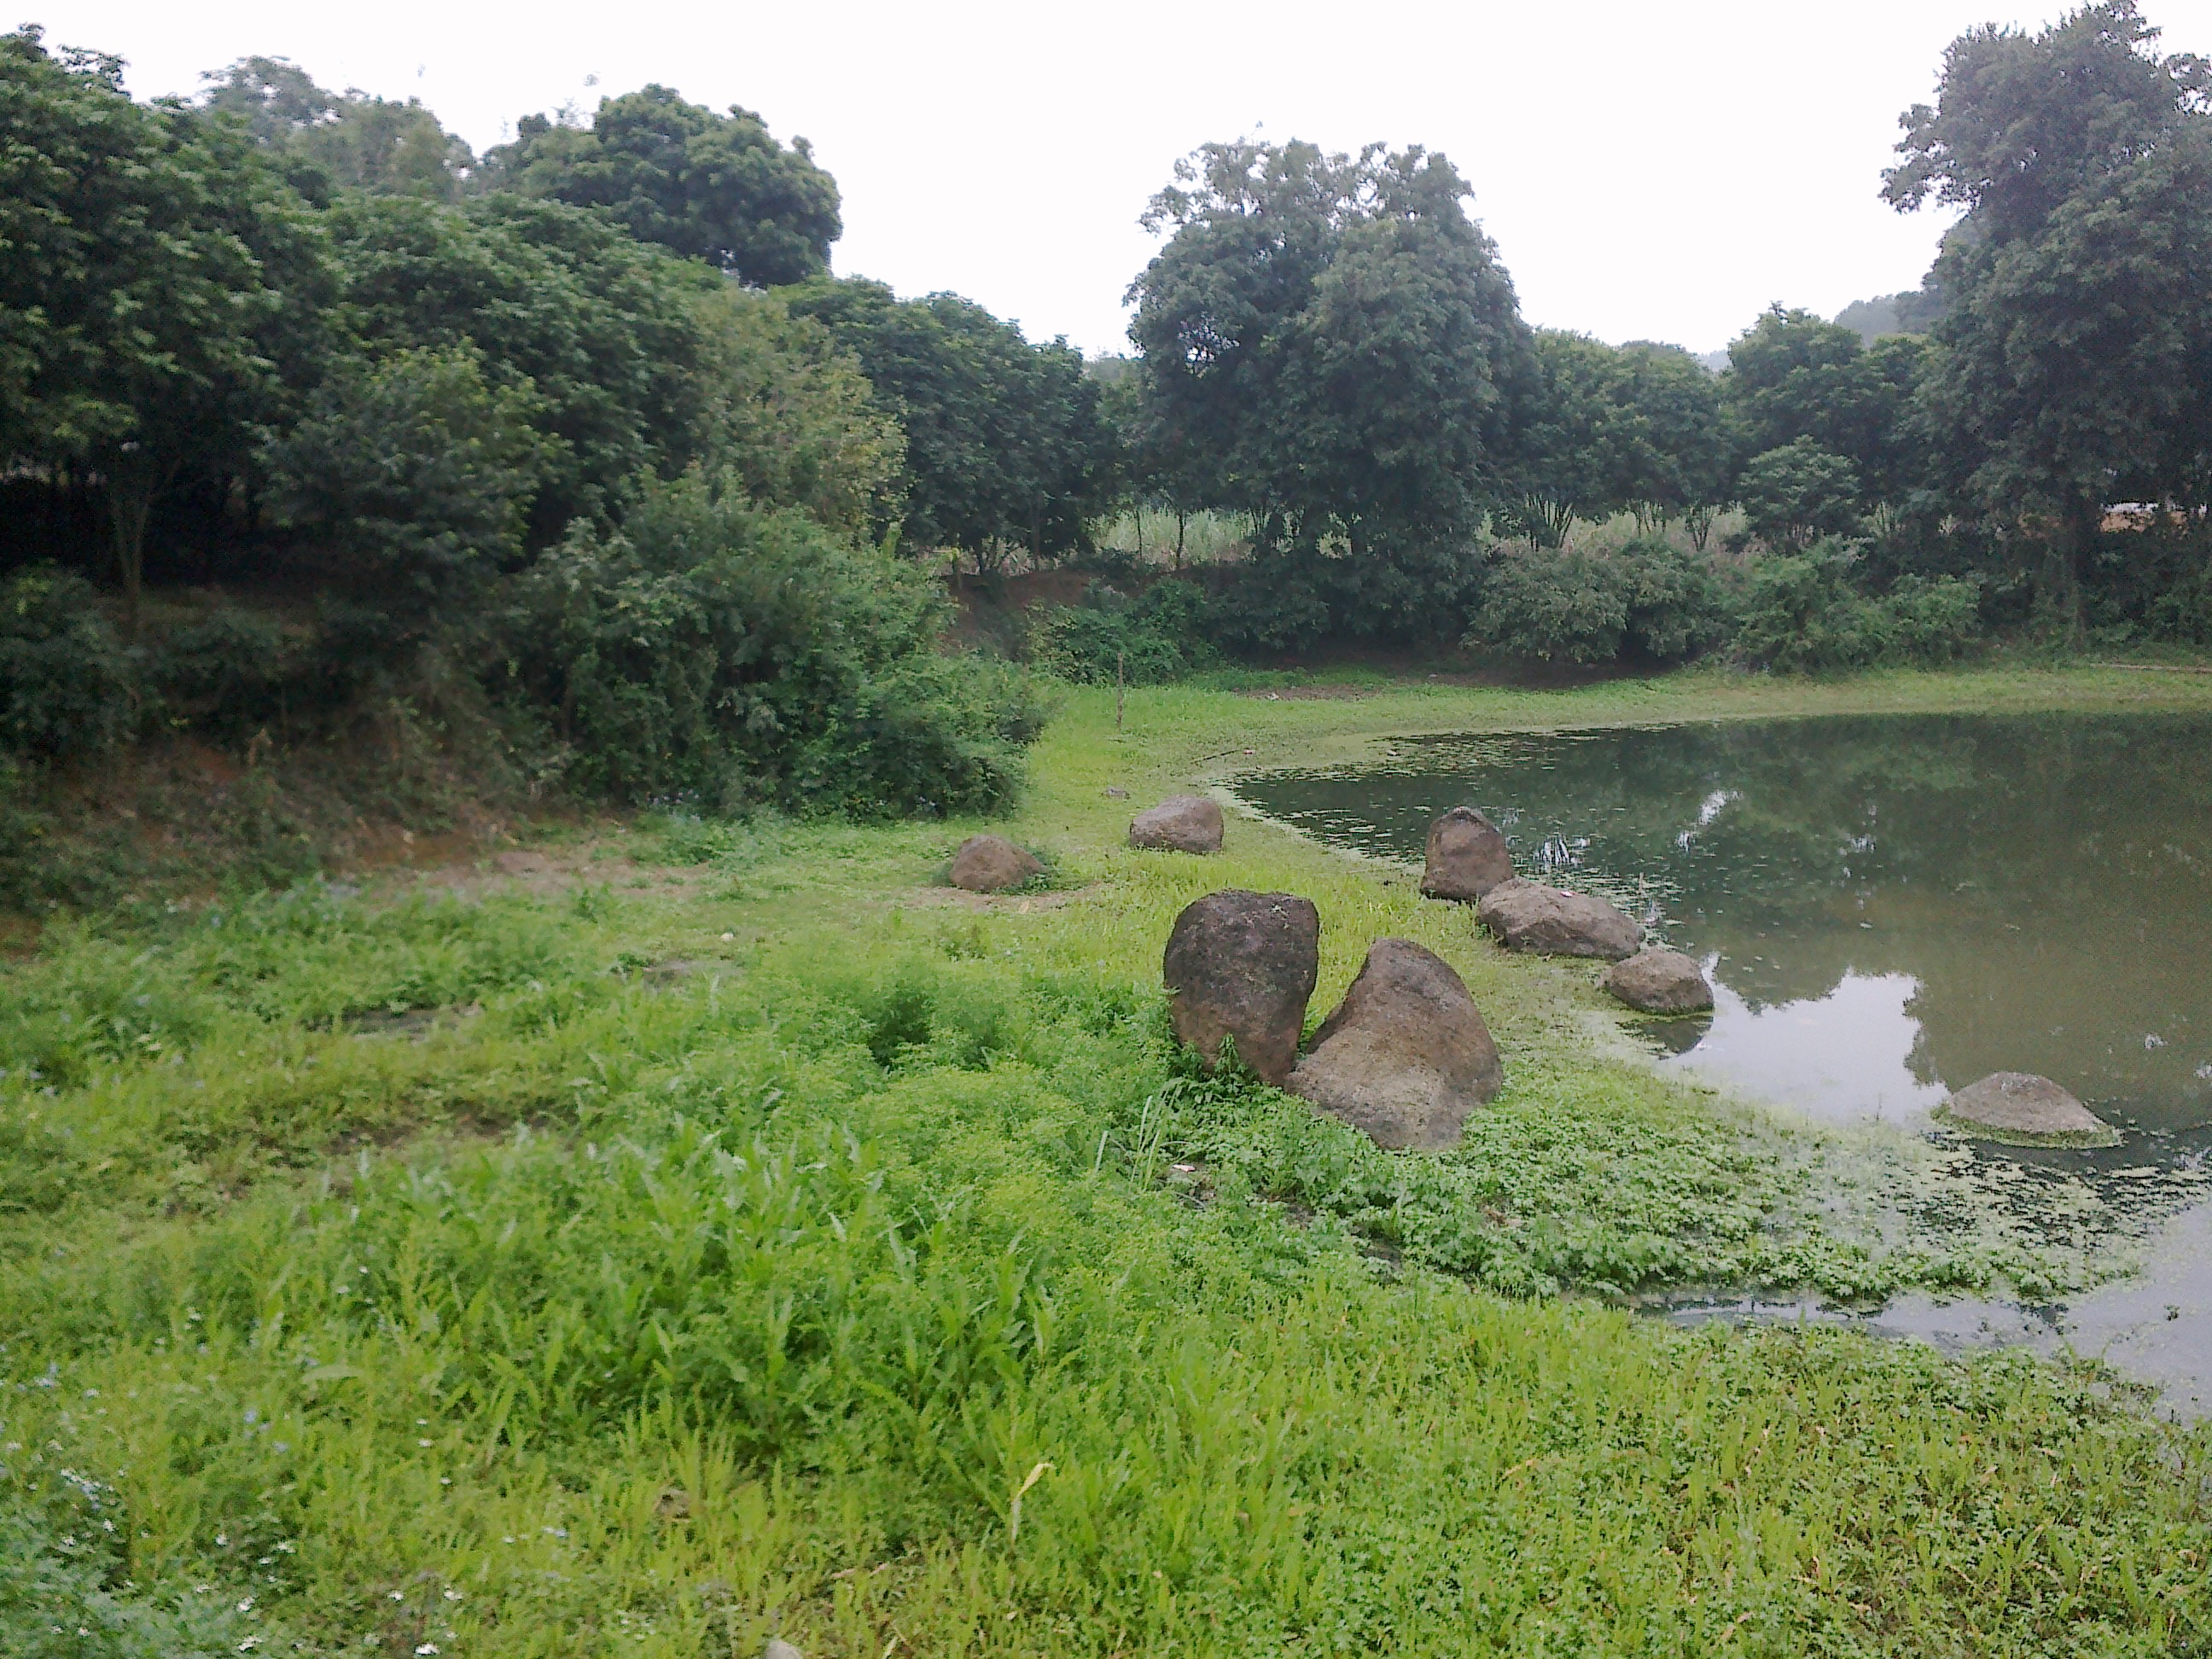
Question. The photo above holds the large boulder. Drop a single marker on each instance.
(1550, 921)
(1467, 856)
(1660, 983)
(1405, 1056)
(2022, 1107)
(991, 864)
(1180, 824)
(1241, 966)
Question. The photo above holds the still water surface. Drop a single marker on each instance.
(1889, 907)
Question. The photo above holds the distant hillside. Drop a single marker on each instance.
(1910, 313)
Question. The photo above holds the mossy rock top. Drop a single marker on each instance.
(2022, 1109)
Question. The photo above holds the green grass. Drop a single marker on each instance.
(654, 1313)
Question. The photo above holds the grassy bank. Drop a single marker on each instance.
(708, 1231)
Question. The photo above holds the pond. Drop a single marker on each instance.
(1889, 907)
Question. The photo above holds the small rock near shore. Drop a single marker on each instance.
(1241, 966)
(1551, 921)
(1406, 1057)
(1467, 856)
(2020, 1106)
(991, 864)
(1180, 824)
(1660, 982)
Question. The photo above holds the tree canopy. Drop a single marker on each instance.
(1006, 446)
(2075, 366)
(712, 187)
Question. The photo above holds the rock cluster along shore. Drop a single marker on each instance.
(1407, 1056)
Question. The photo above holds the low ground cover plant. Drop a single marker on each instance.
(868, 1272)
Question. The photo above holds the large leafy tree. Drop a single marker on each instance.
(599, 336)
(1670, 455)
(352, 139)
(2074, 364)
(1604, 429)
(157, 278)
(1329, 344)
(717, 187)
(1007, 448)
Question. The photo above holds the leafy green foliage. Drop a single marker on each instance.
(1647, 598)
(713, 648)
(708, 187)
(1163, 632)
(791, 416)
(1006, 451)
(57, 1602)
(66, 682)
(1329, 344)
(594, 336)
(1798, 493)
(2071, 368)
(413, 476)
(1802, 611)
(349, 140)
(155, 268)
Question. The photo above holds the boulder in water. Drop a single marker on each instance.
(1660, 982)
(1551, 921)
(1180, 824)
(1406, 1057)
(1240, 966)
(2026, 1110)
(991, 864)
(1467, 856)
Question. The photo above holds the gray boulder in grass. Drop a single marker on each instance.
(991, 864)
(1406, 1057)
(2026, 1110)
(1660, 983)
(1551, 921)
(1467, 856)
(1241, 966)
(1180, 824)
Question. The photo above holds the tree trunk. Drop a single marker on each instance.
(2065, 557)
(1181, 520)
(130, 500)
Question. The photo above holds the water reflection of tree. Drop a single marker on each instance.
(2047, 879)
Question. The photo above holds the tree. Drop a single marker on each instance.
(1670, 453)
(2074, 361)
(356, 141)
(790, 418)
(1330, 345)
(712, 187)
(1797, 493)
(1005, 447)
(599, 334)
(144, 302)
(1569, 430)
(415, 474)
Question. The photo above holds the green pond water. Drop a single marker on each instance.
(1889, 907)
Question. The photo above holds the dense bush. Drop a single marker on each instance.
(1160, 633)
(67, 685)
(1803, 612)
(737, 654)
(413, 475)
(1647, 598)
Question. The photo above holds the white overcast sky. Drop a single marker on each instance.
(1649, 171)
